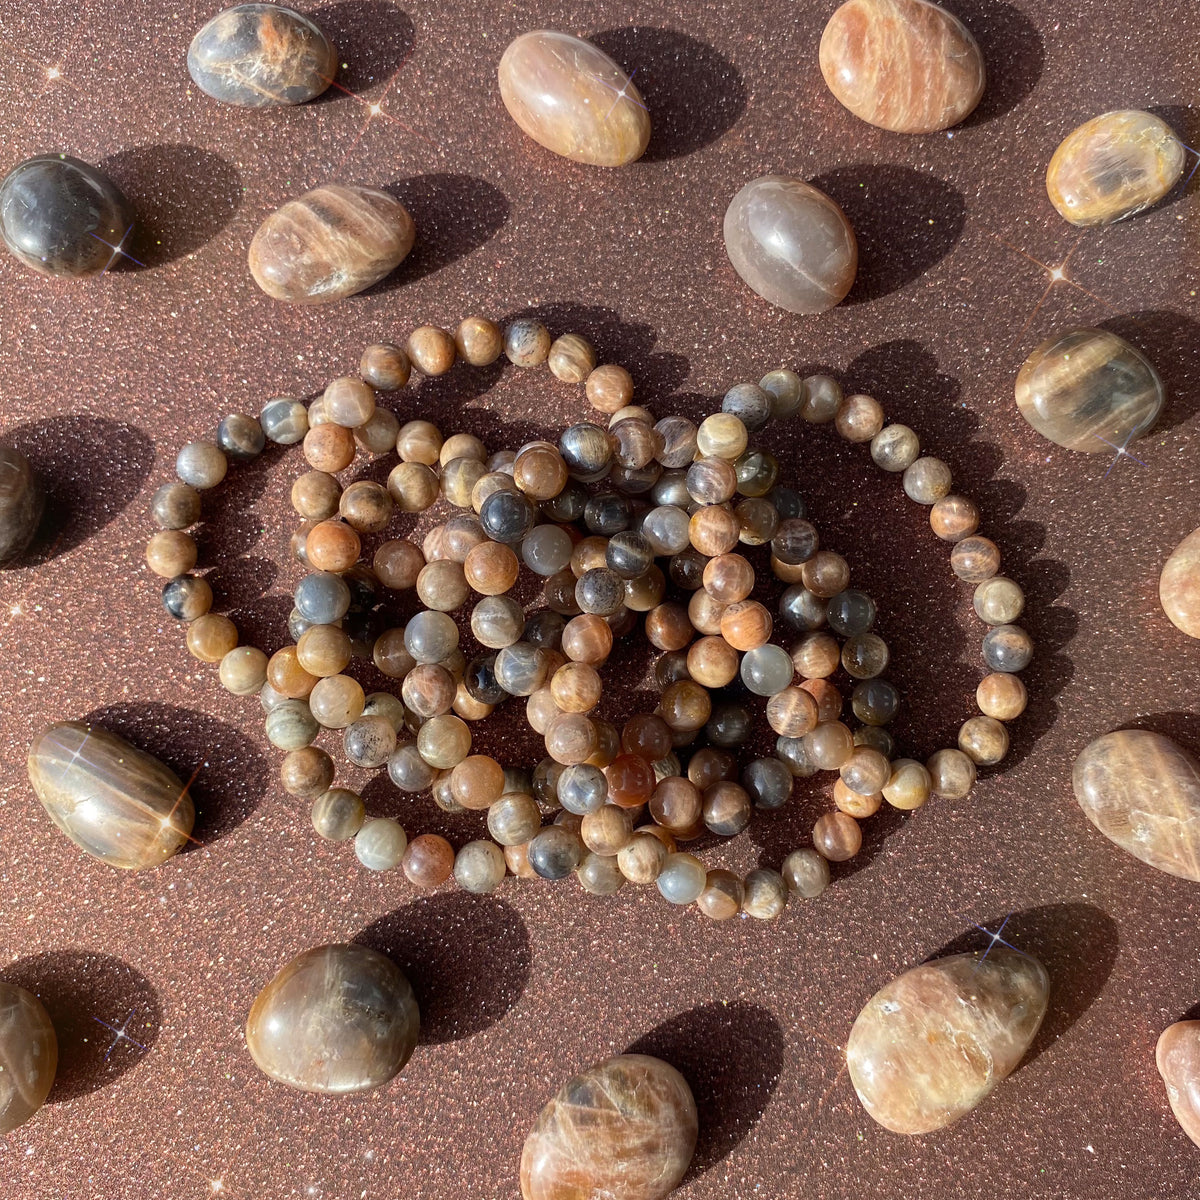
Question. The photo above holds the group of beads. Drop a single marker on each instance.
(600, 780)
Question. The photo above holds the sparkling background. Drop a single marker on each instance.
(101, 381)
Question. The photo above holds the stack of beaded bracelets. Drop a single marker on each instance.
(810, 735)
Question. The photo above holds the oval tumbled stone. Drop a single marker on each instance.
(260, 55)
(570, 97)
(1179, 585)
(904, 65)
(20, 504)
(933, 1043)
(1142, 792)
(1089, 390)
(119, 804)
(626, 1127)
(337, 1019)
(791, 243)
(331, 242)
(1177, 1057)
(1113, 166)
(28, 1056)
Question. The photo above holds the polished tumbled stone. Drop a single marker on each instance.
(625, 1128)
(903, 65)
(1142, 791)
(28, 1056)
(329, 243)
(118, 803)
(930, 1045)
(1090, 390)
(1179, 585)
(791, 243)
(62, 216)
(1113, 166)
(21, 502)
(336, 1019)
(1177, 1057)
(570, 97)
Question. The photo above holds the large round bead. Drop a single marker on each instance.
(121, 805)
(336, 1019)
(1177, 1057)
(626, 1127)
(570, 97)
(61, 216)
(260, 55)
(1179, 585)
(1090, 390)
(791, 243)
(28, 1056)
(331, 242)
(930, 1045)
(21, 503)
(904, 65)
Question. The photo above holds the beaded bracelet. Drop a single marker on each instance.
(818, 399)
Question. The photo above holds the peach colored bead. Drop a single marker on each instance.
(746, 625)
(837, 836)
(853, 804)
(1001, 696)
(609, 388)
(792, 712)
(859, 418)
(909, 785)
(713, 662)
(816, 655)
(329, 448)
(431, 350)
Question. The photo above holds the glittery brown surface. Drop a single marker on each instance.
(102, 380)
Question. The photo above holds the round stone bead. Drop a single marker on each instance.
(999, 601)
(479, 867)
(850, 613)
(201, 464)
(806, 873)
(337, 1019)
(284, 421)
(765, 894)
(243, 671)
(261, 55)
(369, 741)
(895, 448)
(1089, 390)
(768, 782)
(927, 480)
(599, 875)
(1177, 1056)
(952, 773)
(323, 598)
(953, 518)
(336, 701)
(722, 896)
(1179, 586)
(904, 65)
(527, 343)
(187, 597)
(908, 785)
(290, 725)
(307, 772)
(479, 341)
(1002, 696)
(62, 217)
(859, 418)
(791, 244)
(29, 1053)
(175, 505)
(794, 753)
(750, 403)
(984, 740)
(380, 844)
(1007, 648)
(837, 836)
(975, 559)
(428, 861)
(332, 242)
(555, 852)
(626, 1127)
(241, 437)
(875, 702)
(767, 669)
(431, 637)
(1113, 166)
(574, 100)
(682, 878)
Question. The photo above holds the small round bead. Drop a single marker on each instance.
(243, 670)
(792, 712)
(685, 706)
(641, 859)
(802, 609)
(677, 805)
(746, 625)
(765, 894)
(384, 366)
(865, 655)
(609, 388)
(678, 441)
(1002, 696)
(837, 836)
(721, 435)
(513, 819)
(431, 636)
(171, 552)
(855, 804)
(187, 597)
(211, 637)
(895, 448)
(829, 746)
(729, 725)
(952, 773)
(822, 399)
(909, 785)
(442, 586)
(850, 613)
(865, 771)
(768, 781)
(431, 350)
(323, 598)
(409, 771)
(999, 600)
(750, 403)
(428, 690)
(600, 590)
(714, 530)
(413, 487)
(287, 677)
(757, 471)
(527, 343)
(491, 569)
(497, 621)
(722, 896)
(571, 738)
(284, 421)
(201, 465)
(1007, 648)
(377, 435)
(380, 844)
(727, 808)
(875, 701)
(711, 481)
(827, 696)
(306, 772)
(576, 687)
(631, 781)
(825, 574)
(705, 613)
(329, 448)
(668, 626)
(712, 662)
(786, 389)
(766, 670)
(337, 814)
(975, 559)
(927, 480)
(349, 401)
(369, 742)
(709, 766)
(806, 873)
(332, 546)
(682, 878)
(629, 554)
(428, 861)
(479, 341)
(366, 506)
(419, 441)
(479, 867)
(758, 521)
(316, 495)
(728, 578)
(859, 418)
(555, 852)
(582, 789)
(443, 742)
(175, 505)
(795, 541)
(572, 358)
(588, 639)
(336, 701)
(984, 740)
(540, 472)
(953, 518)
(462, 445)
